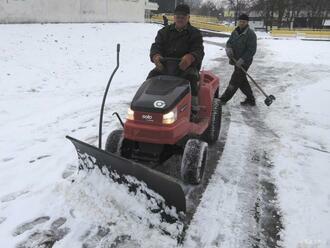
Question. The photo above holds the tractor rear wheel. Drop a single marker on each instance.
(193, 161)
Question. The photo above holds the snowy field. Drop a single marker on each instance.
(271, 186)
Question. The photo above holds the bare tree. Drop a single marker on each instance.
(290, 13)
(240, 6)
(318, 11)
(208, 8)
(281, 7)
(266, 8)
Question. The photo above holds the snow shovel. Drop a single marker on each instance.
(269, 98)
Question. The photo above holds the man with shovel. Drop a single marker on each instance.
(240, 49)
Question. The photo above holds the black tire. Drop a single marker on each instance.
(193, 161)
(212, 132)
(114, 141)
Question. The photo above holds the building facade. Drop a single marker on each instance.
(44, 11)
(167, 6)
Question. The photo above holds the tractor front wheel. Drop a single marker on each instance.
(114, 141)
(193, 162)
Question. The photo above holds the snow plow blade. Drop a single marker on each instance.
(169, 188)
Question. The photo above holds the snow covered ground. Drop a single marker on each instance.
(271, 186)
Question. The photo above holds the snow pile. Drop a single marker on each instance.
(94, 198)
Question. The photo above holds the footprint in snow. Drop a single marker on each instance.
(88, 120)
(46, 238)
(7, 159)
(123, 241)
(2, 220)
(32, 90)
(79, 128)
(102, 238)
(29, 225)
(13, 196)
(93, 240)
(38, 158)
(42, 140)
(69, 171)
(58, 223)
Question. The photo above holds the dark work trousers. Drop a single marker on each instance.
(191, 74)
(238, 81)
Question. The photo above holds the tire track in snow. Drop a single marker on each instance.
(267, 215)
(239, 209)
(215, 152)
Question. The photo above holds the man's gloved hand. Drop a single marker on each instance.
(240, 62)
(186, 61)
(229, 52)
(156, 59)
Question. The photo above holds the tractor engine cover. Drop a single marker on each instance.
(160, 94)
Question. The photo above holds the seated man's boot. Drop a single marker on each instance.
(194, 109)
(194, 104)
(249, 102)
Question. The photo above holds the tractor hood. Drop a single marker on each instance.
(160, 94)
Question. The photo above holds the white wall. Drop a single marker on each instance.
(21, 11)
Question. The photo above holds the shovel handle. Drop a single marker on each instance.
(247, 74)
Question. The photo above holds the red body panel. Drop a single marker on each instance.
(148, 127)
(155, 131)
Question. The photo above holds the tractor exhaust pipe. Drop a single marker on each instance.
(105, 96)
(269, 98)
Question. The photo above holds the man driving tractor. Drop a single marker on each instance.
(180, 40)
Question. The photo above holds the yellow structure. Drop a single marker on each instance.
(211, 23)
(202, 22)
(307, 33)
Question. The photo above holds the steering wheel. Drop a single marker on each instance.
(171, 65)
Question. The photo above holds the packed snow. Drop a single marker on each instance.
(271, 185)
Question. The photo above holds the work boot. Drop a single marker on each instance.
(194, 104)
(194, 109)
(249, 102)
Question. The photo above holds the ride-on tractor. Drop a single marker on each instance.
(159, 124)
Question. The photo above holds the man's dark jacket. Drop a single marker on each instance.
(244, 44)
(170, 42)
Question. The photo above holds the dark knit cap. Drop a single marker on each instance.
(182, 9)
(243, 17)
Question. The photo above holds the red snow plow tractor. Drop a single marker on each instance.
(159, 125)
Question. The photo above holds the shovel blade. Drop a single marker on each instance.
(119, 168)
(269, 100)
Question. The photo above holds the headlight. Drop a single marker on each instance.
(130, 114)
(170, 117)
